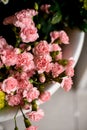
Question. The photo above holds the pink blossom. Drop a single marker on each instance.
(54, 35)
(24, 84)
(9, 85)
(36, 115)
(41, 48)
(25, 60)
(42, 78)
(67, 83)
(9, 20)
(24, 18)
(32, 94)
(45, 96)
(32, 128)
(57, 69)
(24, 23)
(9, 56)
(70, 62)
(29, 34)
(25, 14)
(21, 19)
(69, 71)
(23, 75)
(49, 67)
(45, 8)
(3, 43)
(63, 37)
(30, 73)
(23, 81)
(13, 100)
(54, 47)
(41, 62)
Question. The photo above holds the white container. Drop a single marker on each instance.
(72, 50)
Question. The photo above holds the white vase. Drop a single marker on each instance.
(72, 50)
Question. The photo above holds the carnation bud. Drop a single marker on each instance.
(36, 6)
(34, 106)
(42, 78)
(39, 26)
(27, 122)
(63, 62)
(16, 128)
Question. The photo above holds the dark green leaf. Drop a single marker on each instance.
(57, 17)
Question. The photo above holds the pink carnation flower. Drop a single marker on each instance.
(24, 23)
(24, 84)
(36, 115)
(24, 18)
(9, 20)
(29, 34)
(45, 96)
(54, 35)
(25, 60)
(67, 83)
(32, 94)
(41, 48)
(70, 62)
(41, 62)
(9, 85)
(13, 100)
(3, 43)
(63, 37)
(9, 56)
(25, 14)
(54, 47)
(21, 19)
(57, 69)
(69, 71)
(32, 128)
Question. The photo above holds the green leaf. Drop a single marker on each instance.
(83, 27)
(57, 17)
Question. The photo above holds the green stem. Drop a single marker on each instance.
(26, 120)
(16, 128)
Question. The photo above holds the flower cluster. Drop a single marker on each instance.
(30, 64)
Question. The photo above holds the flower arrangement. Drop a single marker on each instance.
(31, 56)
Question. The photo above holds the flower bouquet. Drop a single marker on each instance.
(31, 57)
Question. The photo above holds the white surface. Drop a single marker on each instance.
(81, 68)
(64, 111)
(71, 50)
(1, 127)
